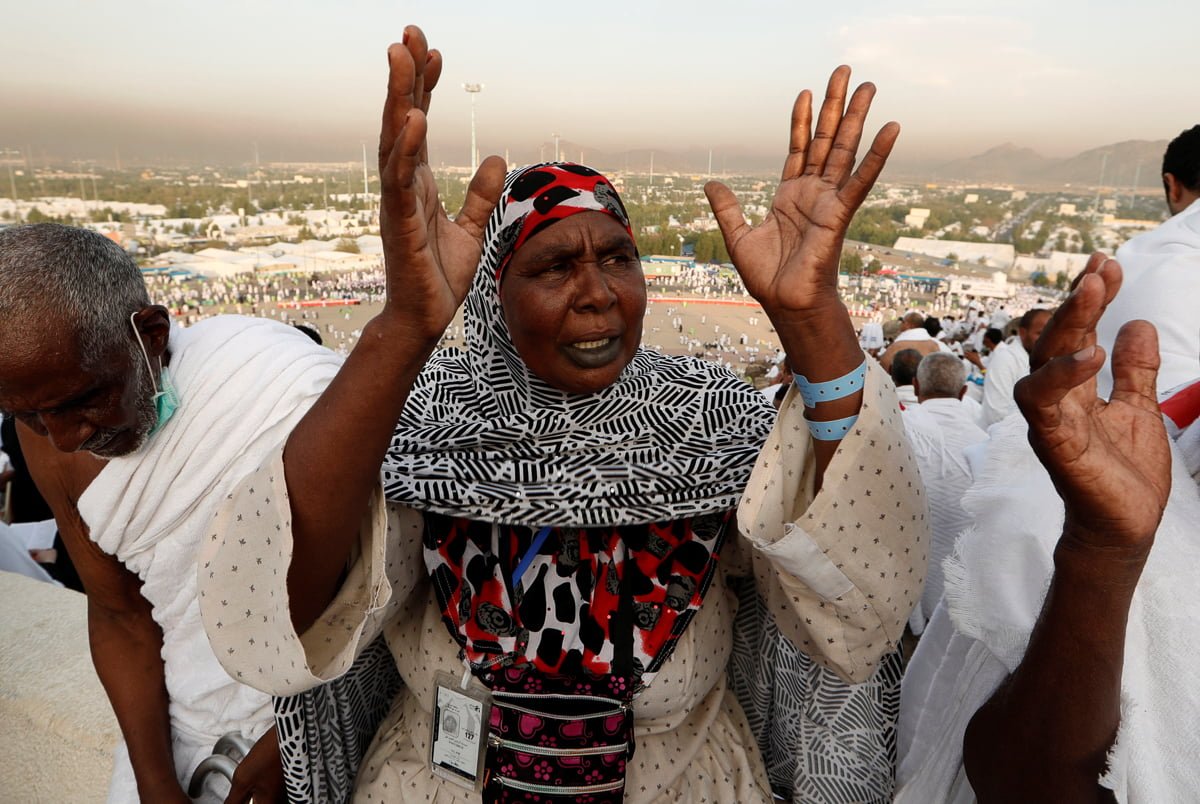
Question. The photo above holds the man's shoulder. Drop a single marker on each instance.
(959, 417)
(1181, 231)
(921, 425)
(224, 326)
(214, 337)
(1008, 354)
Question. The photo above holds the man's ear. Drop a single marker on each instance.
(153, 323)
(1174, 190)
(962, 393)
(916, 388)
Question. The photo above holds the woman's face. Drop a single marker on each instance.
(574, 298)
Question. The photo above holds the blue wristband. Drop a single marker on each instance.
(847, 384)
(832, 431)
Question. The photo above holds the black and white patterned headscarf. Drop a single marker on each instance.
(483, 438)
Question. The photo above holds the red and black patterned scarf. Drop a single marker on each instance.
(565, 603)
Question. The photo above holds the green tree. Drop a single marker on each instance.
(850, 263)
(348, 246)
(1062, 280)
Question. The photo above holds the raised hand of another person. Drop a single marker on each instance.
(789, 262)
(1045, 733)
(429, 260)
(1110, 460)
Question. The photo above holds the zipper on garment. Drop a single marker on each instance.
(537, 750)
(620, 710)
(558, 790)
(555, 696)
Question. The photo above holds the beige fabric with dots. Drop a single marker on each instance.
(841, 572)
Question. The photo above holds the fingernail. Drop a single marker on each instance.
(1085, 354)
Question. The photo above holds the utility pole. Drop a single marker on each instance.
(366, 182)
(1100, 186)
(12, 182)
(473, 90)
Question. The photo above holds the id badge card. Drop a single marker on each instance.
(459, 739)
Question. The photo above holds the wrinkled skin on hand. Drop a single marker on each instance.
(789, 262)
(429, 260)
(1110, 460)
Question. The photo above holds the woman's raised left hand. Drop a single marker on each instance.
(789, 262)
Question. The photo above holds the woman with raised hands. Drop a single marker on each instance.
(549, 548)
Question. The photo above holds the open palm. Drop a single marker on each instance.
(1110, 460)
(789, 262)
(429, 260)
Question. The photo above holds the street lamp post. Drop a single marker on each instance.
(473, 90)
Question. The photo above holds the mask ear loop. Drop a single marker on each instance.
(145, 354)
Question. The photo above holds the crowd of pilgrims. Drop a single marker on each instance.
(745, 343)
(663, 582)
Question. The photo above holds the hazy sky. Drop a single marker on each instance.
(305, 79)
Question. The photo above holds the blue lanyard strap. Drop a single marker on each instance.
(530, 554)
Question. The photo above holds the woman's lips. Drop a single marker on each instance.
(593, 353)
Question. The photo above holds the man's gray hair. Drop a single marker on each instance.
(941, 375)
(48, 270)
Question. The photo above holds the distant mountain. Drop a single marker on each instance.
(1140, 159)
(1116, 165)
(1004, 163)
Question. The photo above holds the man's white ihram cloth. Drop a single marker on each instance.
(996, 582)
(1161, 271)
(239, 398)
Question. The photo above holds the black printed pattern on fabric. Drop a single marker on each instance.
(324, 732)
(823, 741)
(482, 438)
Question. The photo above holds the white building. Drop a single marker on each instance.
(916, 217)
(995, 288)
(1000, 256)
(1058, 261)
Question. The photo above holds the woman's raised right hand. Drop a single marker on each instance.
(429, 260)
